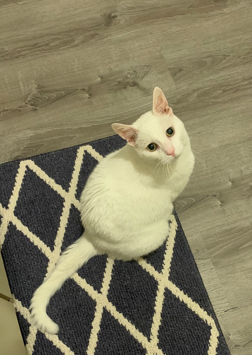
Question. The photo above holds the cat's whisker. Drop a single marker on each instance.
(194, 151)
(161, 167)
(199, 161)
(197, 158)
(164, 169)
(157, 166)
(170, 175)
(168, 172)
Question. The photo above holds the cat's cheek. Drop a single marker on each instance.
(151, 155)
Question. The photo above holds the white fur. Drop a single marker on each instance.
(126, 203)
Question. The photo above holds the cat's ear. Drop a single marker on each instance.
(128, 133)
(160, 104)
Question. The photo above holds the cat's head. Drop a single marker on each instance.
(157, 135)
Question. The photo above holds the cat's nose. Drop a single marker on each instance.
(171, 151)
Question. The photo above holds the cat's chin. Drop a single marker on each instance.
(170, 159)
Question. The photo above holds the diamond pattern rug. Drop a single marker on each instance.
(157, 305)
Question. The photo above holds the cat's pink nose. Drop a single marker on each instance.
(171, 151)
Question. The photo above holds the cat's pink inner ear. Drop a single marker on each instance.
(127, 132)
(160, 104)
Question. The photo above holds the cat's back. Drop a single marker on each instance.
(108, 192)
(112, 173)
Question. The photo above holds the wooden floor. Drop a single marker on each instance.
(69, 69)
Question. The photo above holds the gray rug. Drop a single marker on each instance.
(157, 305)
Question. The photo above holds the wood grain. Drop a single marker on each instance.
(69, 70)
(77, 100)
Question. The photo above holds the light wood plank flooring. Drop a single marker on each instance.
(70, 69)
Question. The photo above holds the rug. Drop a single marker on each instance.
(156, 305)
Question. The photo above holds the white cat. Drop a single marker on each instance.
(127, 200)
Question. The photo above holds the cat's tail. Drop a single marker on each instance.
(70, 261)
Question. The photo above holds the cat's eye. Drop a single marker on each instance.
(170, 132)
(152, 147)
